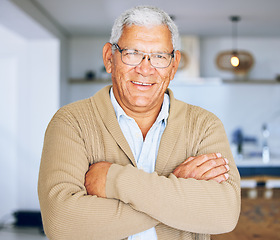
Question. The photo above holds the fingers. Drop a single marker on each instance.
(206, 157)
(203, 158)
(188, 159)
(204, 167)
(215, 172)
(214, 167)
(221, 178)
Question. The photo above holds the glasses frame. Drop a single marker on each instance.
(144, 55)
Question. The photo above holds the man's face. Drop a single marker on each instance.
(141, 88)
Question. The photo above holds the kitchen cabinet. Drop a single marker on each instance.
(257, 171)
(256, 167)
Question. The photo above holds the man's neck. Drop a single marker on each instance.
(143, 116)
(144, 119)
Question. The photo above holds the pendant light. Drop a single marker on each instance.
(237, 61)
(234, 60)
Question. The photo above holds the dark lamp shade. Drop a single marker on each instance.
(246, 61)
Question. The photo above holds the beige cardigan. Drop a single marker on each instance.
(87, 131)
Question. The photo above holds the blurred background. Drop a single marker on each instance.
(51, 55)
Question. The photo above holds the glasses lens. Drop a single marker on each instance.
(131, 57)
(160, 60)
(134, 58)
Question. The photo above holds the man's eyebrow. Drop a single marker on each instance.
(157, 51)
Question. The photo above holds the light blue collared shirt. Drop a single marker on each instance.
(144, 151)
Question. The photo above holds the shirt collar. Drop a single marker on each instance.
(163, 114)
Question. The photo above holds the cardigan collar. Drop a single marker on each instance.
(167, 144)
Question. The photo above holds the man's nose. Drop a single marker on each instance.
(145, 67)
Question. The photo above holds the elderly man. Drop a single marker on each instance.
(132, 161)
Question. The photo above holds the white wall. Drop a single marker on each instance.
(264, 50)
(25, 18)
(33, 54)
(8, 157)
(29, 94)
(38, 95)
(85, 54)
(11, 47)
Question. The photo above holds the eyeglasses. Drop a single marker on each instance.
(134, 57)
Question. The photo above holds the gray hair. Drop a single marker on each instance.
(144, 16)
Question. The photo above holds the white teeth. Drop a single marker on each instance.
(143, 84)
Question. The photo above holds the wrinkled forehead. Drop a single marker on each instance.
(157, 34)
(150, 27)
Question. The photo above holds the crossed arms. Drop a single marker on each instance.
(204, 167)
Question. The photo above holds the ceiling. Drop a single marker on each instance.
(193, 17)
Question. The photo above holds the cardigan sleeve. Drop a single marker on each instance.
(67, 211)
(186, 204)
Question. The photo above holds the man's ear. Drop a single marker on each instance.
(107, 57)
(176, 62)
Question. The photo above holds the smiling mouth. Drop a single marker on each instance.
(142, 84)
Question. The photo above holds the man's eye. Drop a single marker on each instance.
(134, 53)
(160, 56)
(131, 53)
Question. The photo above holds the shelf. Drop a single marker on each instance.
(94, 80)
(251, 81)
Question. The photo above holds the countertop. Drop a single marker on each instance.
(257, 162)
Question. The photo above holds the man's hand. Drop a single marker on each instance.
(95, 180)
(204, 167)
